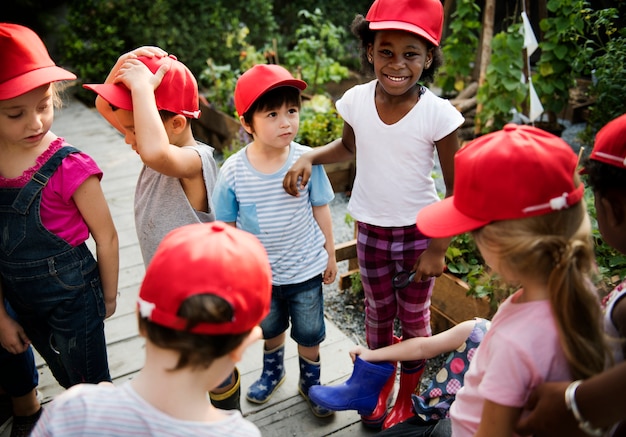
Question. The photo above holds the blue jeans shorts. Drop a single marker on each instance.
(301, 303)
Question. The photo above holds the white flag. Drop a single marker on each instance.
(536, 108)
(530, 41)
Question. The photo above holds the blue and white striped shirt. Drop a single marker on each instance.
(284, 224)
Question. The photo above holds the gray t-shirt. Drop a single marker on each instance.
(161, 204)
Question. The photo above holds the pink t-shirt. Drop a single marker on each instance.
(59, 213)
(519, 352)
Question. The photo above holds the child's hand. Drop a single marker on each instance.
(134, 73)
(331, 270)
(12, 336)
(110, 307)
(360, 351)
(297, 176)
(431, 263)
(148, 51)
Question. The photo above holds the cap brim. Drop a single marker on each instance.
(33, 79)
(442, 219)
(296, 83)
(116, 94)
(400, 25)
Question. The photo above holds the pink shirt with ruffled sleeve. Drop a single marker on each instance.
(59, 213)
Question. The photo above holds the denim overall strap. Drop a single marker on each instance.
(54, 288)
(40, 179)
(22, 235)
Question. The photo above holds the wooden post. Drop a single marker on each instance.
(485, 56)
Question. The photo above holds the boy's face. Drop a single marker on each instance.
(126, 120)
(25, 119)
(276, 127)
(611, 221)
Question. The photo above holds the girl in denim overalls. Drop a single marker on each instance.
(50, 201)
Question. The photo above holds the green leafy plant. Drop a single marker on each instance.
(559, 45)
(601, 56)
(319, 44)
(503, 90)
(459, 47)
(98, 32)
(320, 122)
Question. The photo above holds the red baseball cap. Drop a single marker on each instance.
(25, 61)
(421, 17)
(177, 92)
(610, 143)
(258, 80)
(208, 258)
(517, 172)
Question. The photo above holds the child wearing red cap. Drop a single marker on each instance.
(595, 405)
(297, 232)
(203, 296)
(394, 126)
(51, 201)
(151, 98)
(518, 192)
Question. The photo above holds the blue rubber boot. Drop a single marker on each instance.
(309, 378)
(272, 377)
(360, 392)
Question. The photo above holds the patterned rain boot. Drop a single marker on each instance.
(310, 376)
(409, 384)
(272, 377)
(229, 400)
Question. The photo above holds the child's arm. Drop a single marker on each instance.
(103, 107)
(497, 420)
(342, 149)
(618, 316)
(12, 335)
(92, 205)
(152, 138)
(324, 220)
(432, 261)
(419, 348)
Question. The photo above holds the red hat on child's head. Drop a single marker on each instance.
(610, 144)
(517, 172)
(258, 80)
(25, 62)
(177, 92)
(421, 17)
(207, 258)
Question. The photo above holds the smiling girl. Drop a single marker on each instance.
(396, 124)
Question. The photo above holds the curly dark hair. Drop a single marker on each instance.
(360, 27)
(603, 177)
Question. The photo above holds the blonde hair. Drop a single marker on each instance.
(556, 248)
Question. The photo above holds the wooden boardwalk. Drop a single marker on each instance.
(286, 414)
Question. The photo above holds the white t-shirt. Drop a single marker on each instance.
(394, 163)
(107, 410)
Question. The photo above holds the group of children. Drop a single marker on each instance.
(240, 254)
